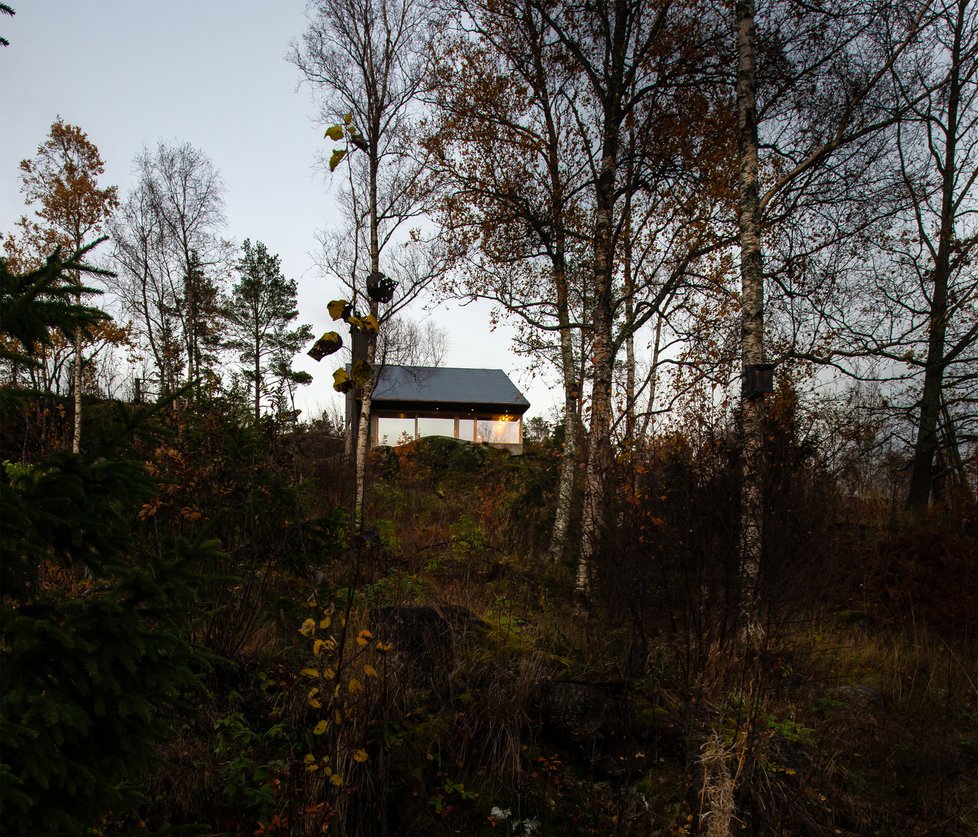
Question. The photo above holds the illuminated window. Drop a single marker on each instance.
(436, 427)
(394, 431)
(498, 430)
(466, 429)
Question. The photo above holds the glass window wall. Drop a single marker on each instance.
(498, 430)
(441, 426)
(394, 431)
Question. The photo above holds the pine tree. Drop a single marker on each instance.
(261, 312)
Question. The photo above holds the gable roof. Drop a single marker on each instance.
(399, 386)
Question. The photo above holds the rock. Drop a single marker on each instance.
(424, 637)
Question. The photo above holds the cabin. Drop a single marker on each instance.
(471, 405)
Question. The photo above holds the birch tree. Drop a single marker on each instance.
(172, 262)
(62, 179)
(368, 62)
(506, 145)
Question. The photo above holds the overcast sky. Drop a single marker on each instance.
(212, 73)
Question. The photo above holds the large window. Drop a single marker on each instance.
(394, 431)
(494, 430)
(498, 430)
(466, 428)
(441, 426)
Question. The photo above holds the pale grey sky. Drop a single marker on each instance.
(212, 73)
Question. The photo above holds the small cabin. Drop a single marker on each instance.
(472, 405)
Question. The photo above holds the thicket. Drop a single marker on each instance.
(192, 641)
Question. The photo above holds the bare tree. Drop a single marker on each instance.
(368, 61)
(938, 152)
(171, 261)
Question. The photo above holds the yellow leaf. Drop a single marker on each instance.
(369, 670)
(384, 646)
(364, 637)
(338, 716)
(312, 768)
(320, 728)
(354, 687)
(336, 779)
(325, 622)
(336, 308)
(328, 771)
(329, 673)
(370, 324)
(318, 646)
(360, 755)
(310, 672)
(308, 628)
(329, 343)
(309, 758)
(313, 700)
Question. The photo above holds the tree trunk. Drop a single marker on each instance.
(77, 374)
(568, 458)
(599, 437)
(752, 320)
(921, 478)
(367, 394)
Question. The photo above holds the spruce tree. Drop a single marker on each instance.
(91, 627)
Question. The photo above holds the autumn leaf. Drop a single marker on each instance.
(336, 779)
(308, 628)
(364, 637)
(360, 755)
(361, 372)
(369, 670)
(336, 158)
(334, 132)
(338, 308)
(341, 381)
(354, 687)
(310, 672)
(329, 343)
(320, 728)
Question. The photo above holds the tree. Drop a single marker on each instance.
(938, 153)
(171, 260)
(639, 65)
(405, 342)
(368, 60)
(261, 311)
(513, 180)
(92, 643)
(63, 179)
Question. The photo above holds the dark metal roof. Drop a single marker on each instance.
(477, 388)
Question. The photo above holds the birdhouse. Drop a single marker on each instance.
(380, 288)
(757, 380)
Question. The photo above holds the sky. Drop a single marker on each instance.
(213, 73)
